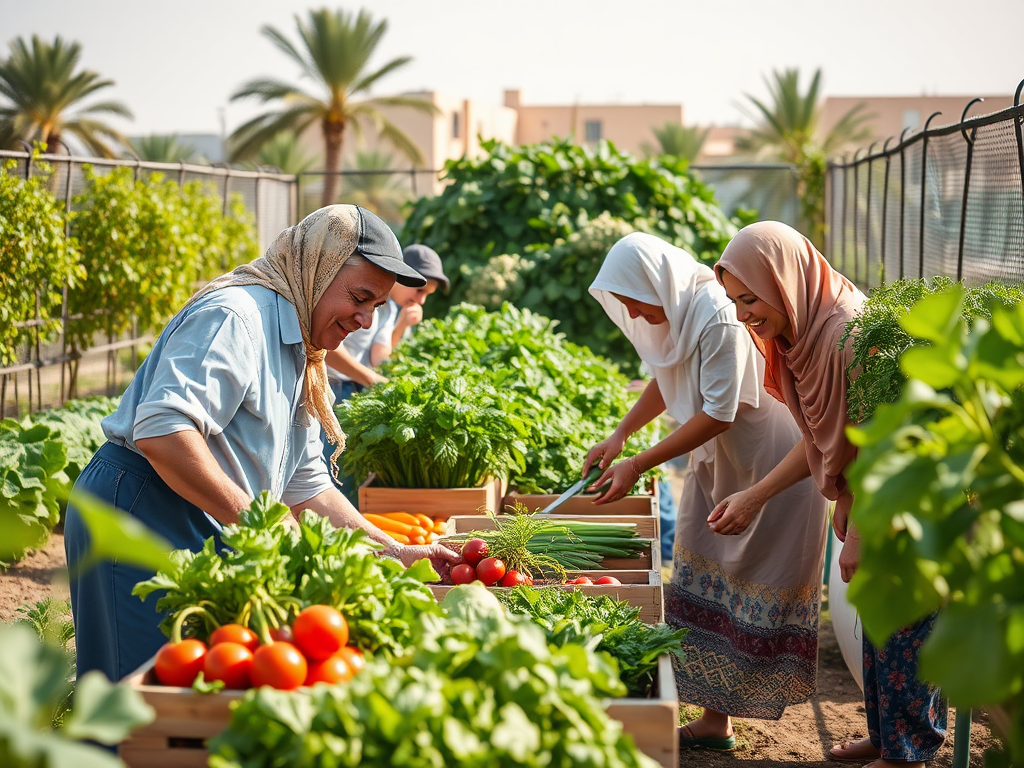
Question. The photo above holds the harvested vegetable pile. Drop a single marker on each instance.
(271, 572)
(481, 689)
(602, 623)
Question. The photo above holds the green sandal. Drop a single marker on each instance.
(688, 741)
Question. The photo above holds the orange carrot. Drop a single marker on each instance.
(417, 531)
(439, 526)
(402, 517)
(417, 540)
(425, 521)
(398, 537)
(389, 525)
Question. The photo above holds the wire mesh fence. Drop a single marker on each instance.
(47, 374)
(767, 188)
(947, 201)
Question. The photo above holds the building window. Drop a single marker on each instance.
(592, 130)
(911, 118)
(455, 125)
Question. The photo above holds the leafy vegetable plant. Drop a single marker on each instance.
(939, 483)
(269, 572)
(481, 688)
(435, 430)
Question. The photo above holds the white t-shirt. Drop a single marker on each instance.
(359, 343)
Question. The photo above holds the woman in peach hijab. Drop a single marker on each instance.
(796, 308)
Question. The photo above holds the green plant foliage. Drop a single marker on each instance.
(570, 397)
(32, 461)
(481, 689)
(606, 625)
(77, 426)
(437, 429)
(270, 572)
(518, 200)
(146, 244)
(939, 481)
(35, 686)
(36, 261)
(879, 340)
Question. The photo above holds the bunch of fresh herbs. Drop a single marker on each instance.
(602, 623)
(481, 689)
(879, 340)
(438, 429)
(571, 397)
(267, 572)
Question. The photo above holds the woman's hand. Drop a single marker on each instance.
(735, 513)
(607, 451)
(623, 477)
(850, 556)
(440, 556)
(841, 514)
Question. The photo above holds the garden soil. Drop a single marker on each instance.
(801, 737)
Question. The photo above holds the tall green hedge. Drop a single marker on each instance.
(531, 225)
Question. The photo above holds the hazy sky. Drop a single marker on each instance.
(176, 63)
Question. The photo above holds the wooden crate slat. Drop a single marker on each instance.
(653, 722)
(435, 502)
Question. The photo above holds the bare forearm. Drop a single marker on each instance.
(379, 353)
(648, 407)
(689, 436)
(788, 472)
(348, 365)
(333, 505)
(183, 461)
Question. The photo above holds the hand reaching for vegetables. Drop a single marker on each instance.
(623, 477)
(607, 451)
(440, 556)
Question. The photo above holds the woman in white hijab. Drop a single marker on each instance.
(750, 602)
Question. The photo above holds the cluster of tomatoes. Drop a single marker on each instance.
(313, 650)
(604, 581)
(477, 566)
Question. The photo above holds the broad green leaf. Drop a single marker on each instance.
(932, 365)
(116, 535)
(106, 712)
(935, 317)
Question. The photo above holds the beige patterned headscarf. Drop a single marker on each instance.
(300, 265)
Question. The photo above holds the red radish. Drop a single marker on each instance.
(490, 571)
(582, 580)
(473, 551)
(512, 578)
(463, 574)
(611, 580)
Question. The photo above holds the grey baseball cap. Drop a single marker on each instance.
(426, 262)
(378, 244)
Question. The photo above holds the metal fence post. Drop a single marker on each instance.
(867, 220)
(845, 184)
(924, 181)
(1020, 141)
(885, 202)
(903, 195)
(967, 186)
(856, 209)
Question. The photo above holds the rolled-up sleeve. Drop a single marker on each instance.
(310, 478)
(207, 366)
(720, 371)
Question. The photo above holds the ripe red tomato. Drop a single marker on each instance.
(582, 580)
(320, 632)
(333, 669)
(279, 665)
(179, 663)
(474, 550)
(512, 578)
(610, 580)
(354, 657)
(463, 574)
(282, 634)
(230, 662)
(235, 633)
(490, 571)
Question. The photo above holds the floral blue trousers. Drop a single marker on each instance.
(906, 717)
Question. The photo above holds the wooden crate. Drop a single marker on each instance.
(650, 556)
(435, 502)
(583, 504)
(653, 722)
(641, 589)
(186, 719)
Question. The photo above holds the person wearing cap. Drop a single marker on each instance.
(230, 403)
(351, 367)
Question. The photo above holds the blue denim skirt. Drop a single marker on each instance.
(116, 632)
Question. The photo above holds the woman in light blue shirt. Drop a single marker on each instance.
(230, 403)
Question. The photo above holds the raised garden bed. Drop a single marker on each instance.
(186, 719)
(435, 502)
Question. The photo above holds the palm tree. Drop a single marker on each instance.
(161, 149)
(788, 129)
(43, 87)
(383, 193)
(682, 141)
(284, 153)
(334, 53)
